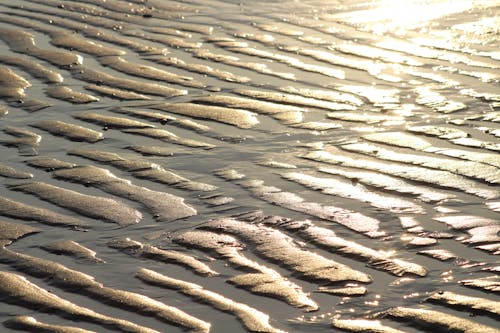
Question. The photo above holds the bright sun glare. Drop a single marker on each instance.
(400, 15)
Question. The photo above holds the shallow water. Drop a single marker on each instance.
(369, 128)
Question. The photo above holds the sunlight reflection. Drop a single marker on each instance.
(447, 276)
(400, 15)
(402, 281)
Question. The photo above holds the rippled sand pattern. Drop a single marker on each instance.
(249, 166)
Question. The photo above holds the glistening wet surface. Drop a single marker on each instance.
(249, 166)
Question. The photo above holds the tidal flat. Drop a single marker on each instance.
(249, 166)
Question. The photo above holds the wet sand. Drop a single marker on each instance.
(233, 166)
